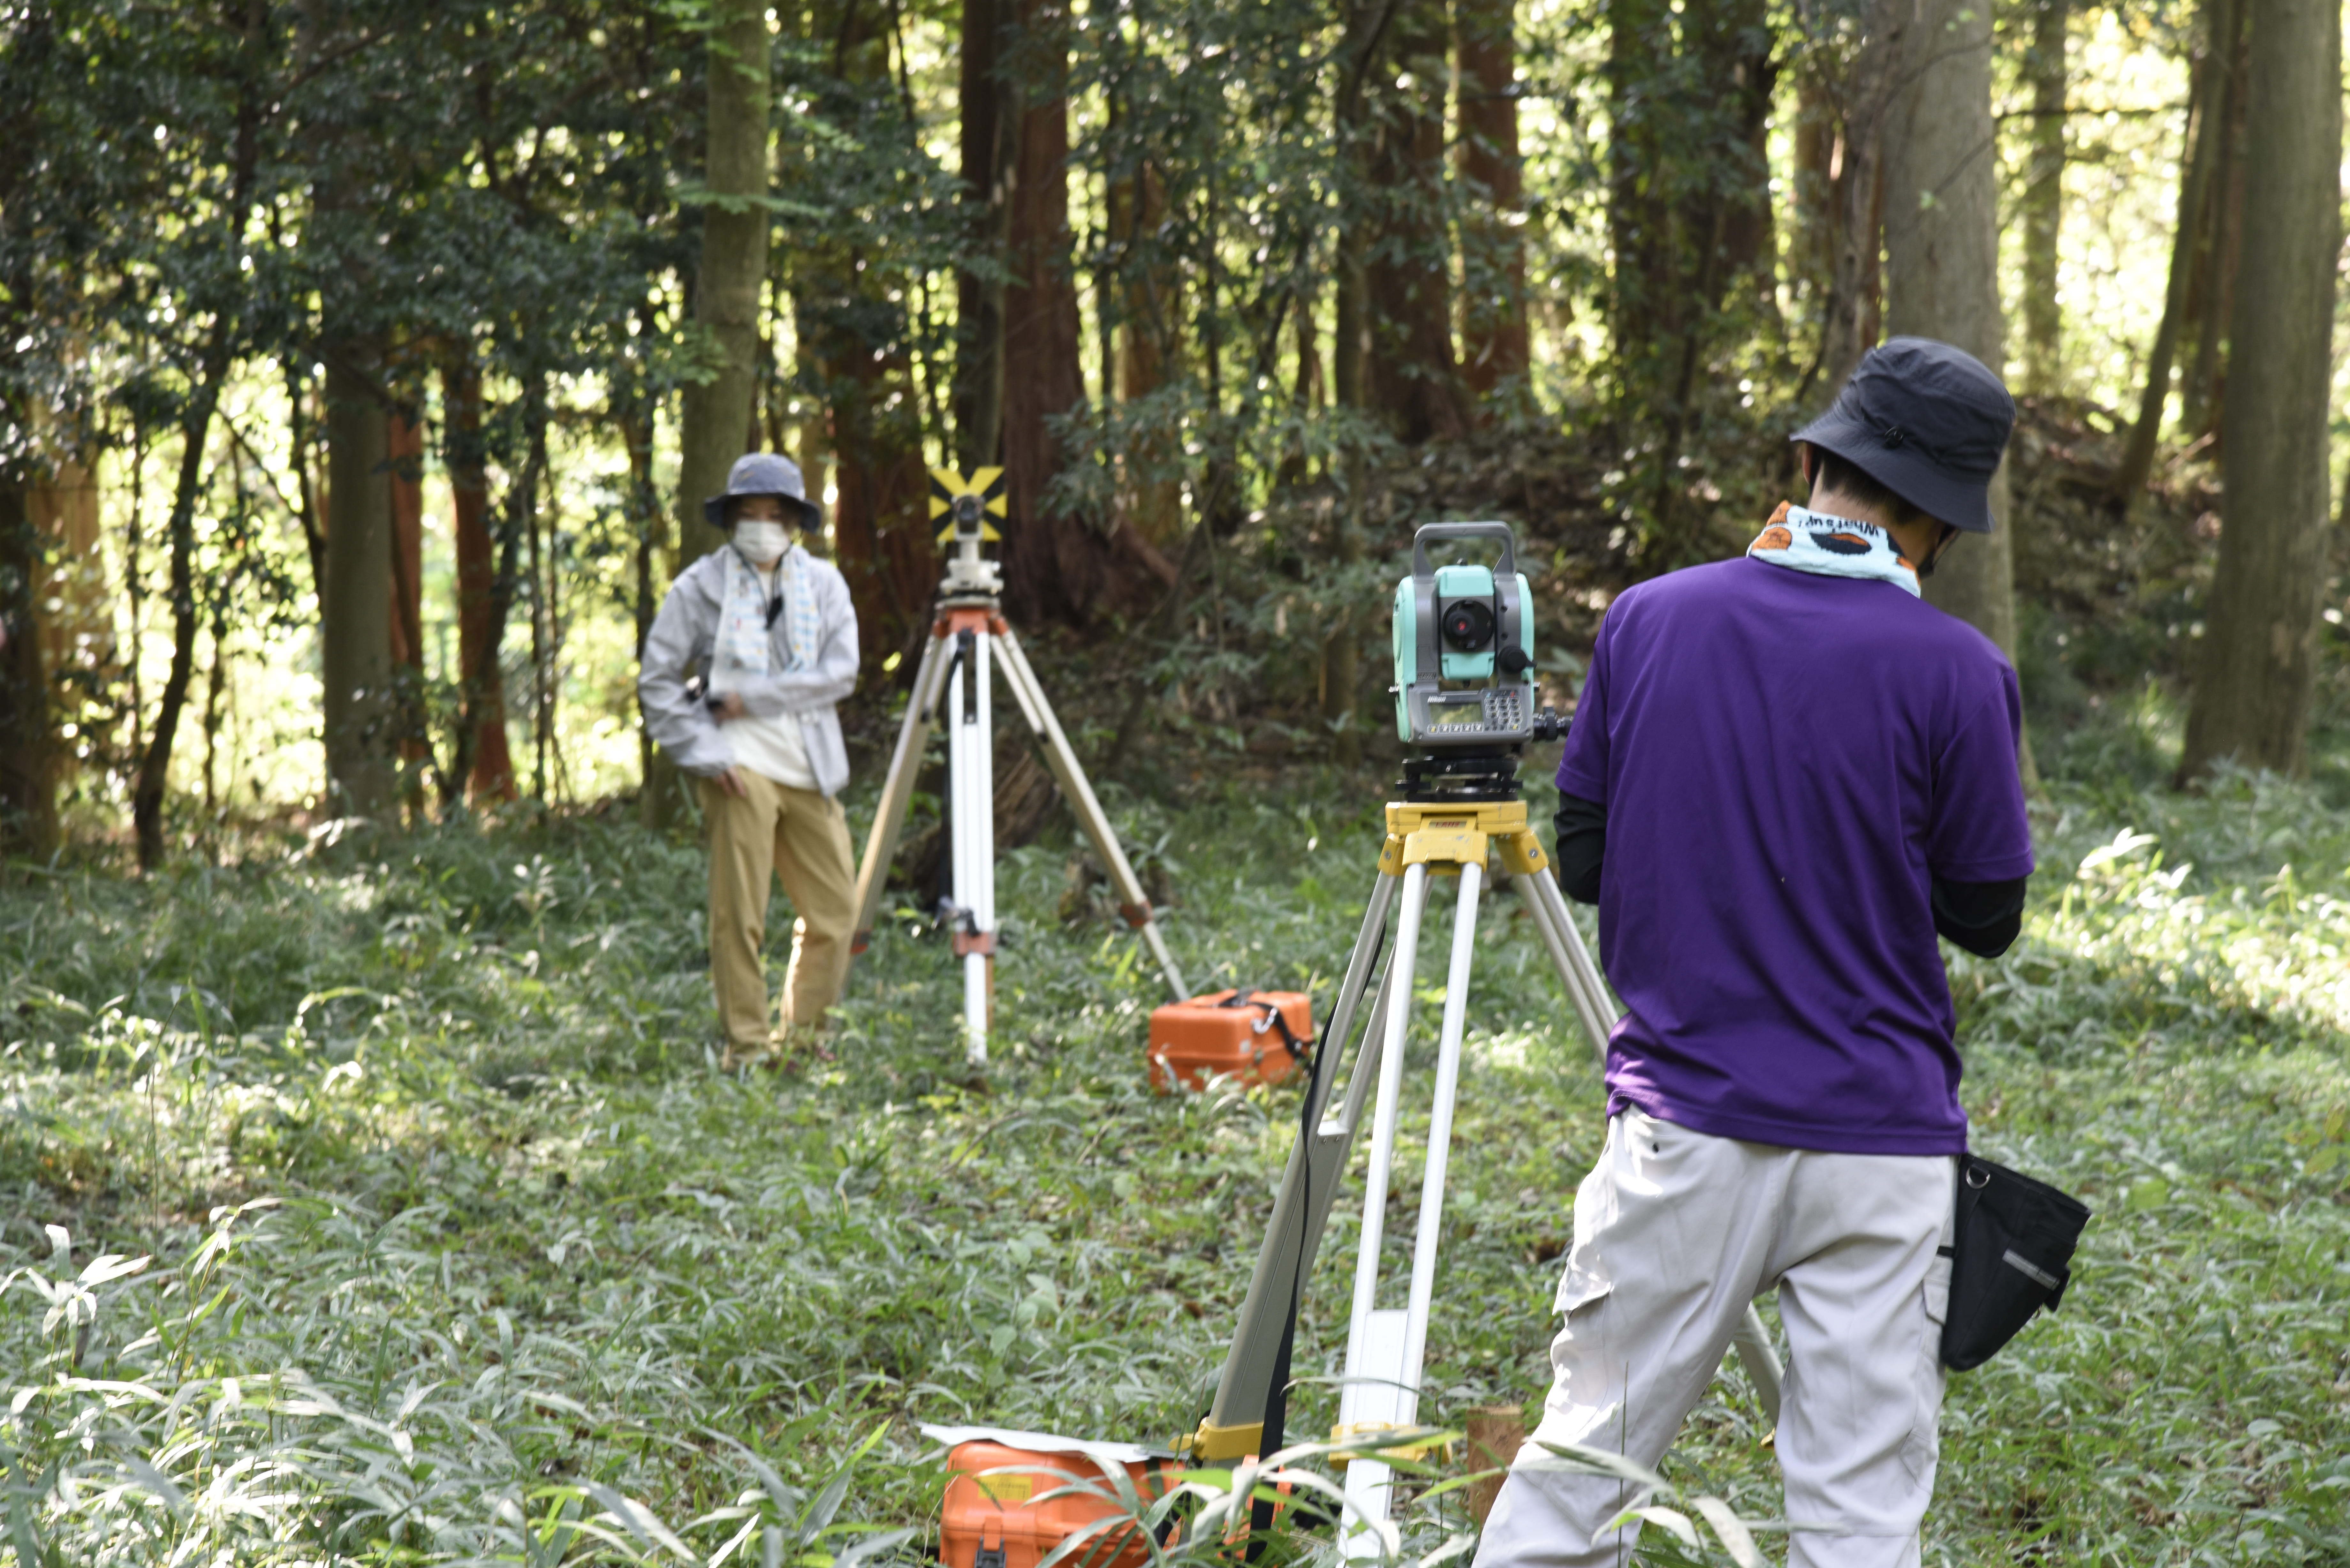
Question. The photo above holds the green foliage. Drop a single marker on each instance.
(459, 1249)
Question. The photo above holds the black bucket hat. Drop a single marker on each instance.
(763, 473)
(1926, 420)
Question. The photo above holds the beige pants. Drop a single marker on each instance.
(798, 838)
(1675, 1231)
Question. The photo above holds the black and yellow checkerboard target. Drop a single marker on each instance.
(967, 503)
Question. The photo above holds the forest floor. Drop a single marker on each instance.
(458, 1239)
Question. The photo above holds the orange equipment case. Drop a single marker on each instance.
(1260, 1034)
(1006, 1519)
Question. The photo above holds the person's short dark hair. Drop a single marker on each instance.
(1839, 476)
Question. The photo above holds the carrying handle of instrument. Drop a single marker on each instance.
(1437, 531)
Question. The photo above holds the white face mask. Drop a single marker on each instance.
(761, 543)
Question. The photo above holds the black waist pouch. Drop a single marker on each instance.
(2010, 1256)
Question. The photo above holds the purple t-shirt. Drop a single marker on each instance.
(1787, 762)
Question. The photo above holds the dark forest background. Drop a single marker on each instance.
(362, 363)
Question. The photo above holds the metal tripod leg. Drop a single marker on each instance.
(1548, 904)
(971, 766)
(1030, 694)
(1235, 1424)
(898, 789)
(1387, 1349)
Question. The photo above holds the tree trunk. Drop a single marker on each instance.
(2197, 153)
(1147, 348)
(362, 720)
(1941, 251)
(1413, 379)
(1735, 46)
(1493, 338)
(28, 795)
(1857, 195)
(2042, 202)
(991, 116)
(484, 766)
(634, 420)
(714, 420)
(406, 443)
(1639, 220)
(2219, 247)
(2252, 693)
(1055, 564)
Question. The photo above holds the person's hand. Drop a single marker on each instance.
(731, 781)
(727, 705)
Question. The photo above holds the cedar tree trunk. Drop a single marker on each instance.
(355, 613)
(2252, 693)
(1941, 251)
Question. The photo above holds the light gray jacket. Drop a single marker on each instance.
(679, 646)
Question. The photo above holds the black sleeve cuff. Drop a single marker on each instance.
(1581, 828)
(1984, 918)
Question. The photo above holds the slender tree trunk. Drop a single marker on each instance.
(1942, 249)
(301, 441)
(1413, 378)
(483, 764)
(1147, 349)
(2196, 152)
(1811, 264)
(716, 416)
(2220, 247)
(155, 762)
(1855, 283)
(405, 442)
(2043, 203)
(362, 720)
(1055, 564)
(1735, 44)
(634, 420)
(29, 796)
(1366, 25)
(1493, 338)
(991, 122)
(2252, 693)
(1639, 220)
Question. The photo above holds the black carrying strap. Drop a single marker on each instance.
(2013, 1238)
(1273, 1019)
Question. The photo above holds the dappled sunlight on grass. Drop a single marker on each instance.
(456, 1231)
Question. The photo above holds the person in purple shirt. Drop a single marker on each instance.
(1787, 772)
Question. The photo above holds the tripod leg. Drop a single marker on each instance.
(1235, 1423)
(1373, 1393)
(1593, 1014)
(1591, 1000)
(1395, 1347)
(972, 805)
(1063, 761)
(897, 790)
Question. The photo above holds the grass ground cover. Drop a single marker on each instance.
(383, 1204)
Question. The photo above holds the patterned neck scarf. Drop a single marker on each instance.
(1833, 547)
(744, 647)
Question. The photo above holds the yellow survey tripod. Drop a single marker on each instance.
(1459, 811)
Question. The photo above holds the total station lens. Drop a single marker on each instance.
(1468, 624)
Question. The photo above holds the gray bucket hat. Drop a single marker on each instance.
(763, 473)
(1926, 420)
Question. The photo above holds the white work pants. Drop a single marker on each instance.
(1675, 1231)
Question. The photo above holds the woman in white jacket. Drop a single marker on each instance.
(754, 646)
